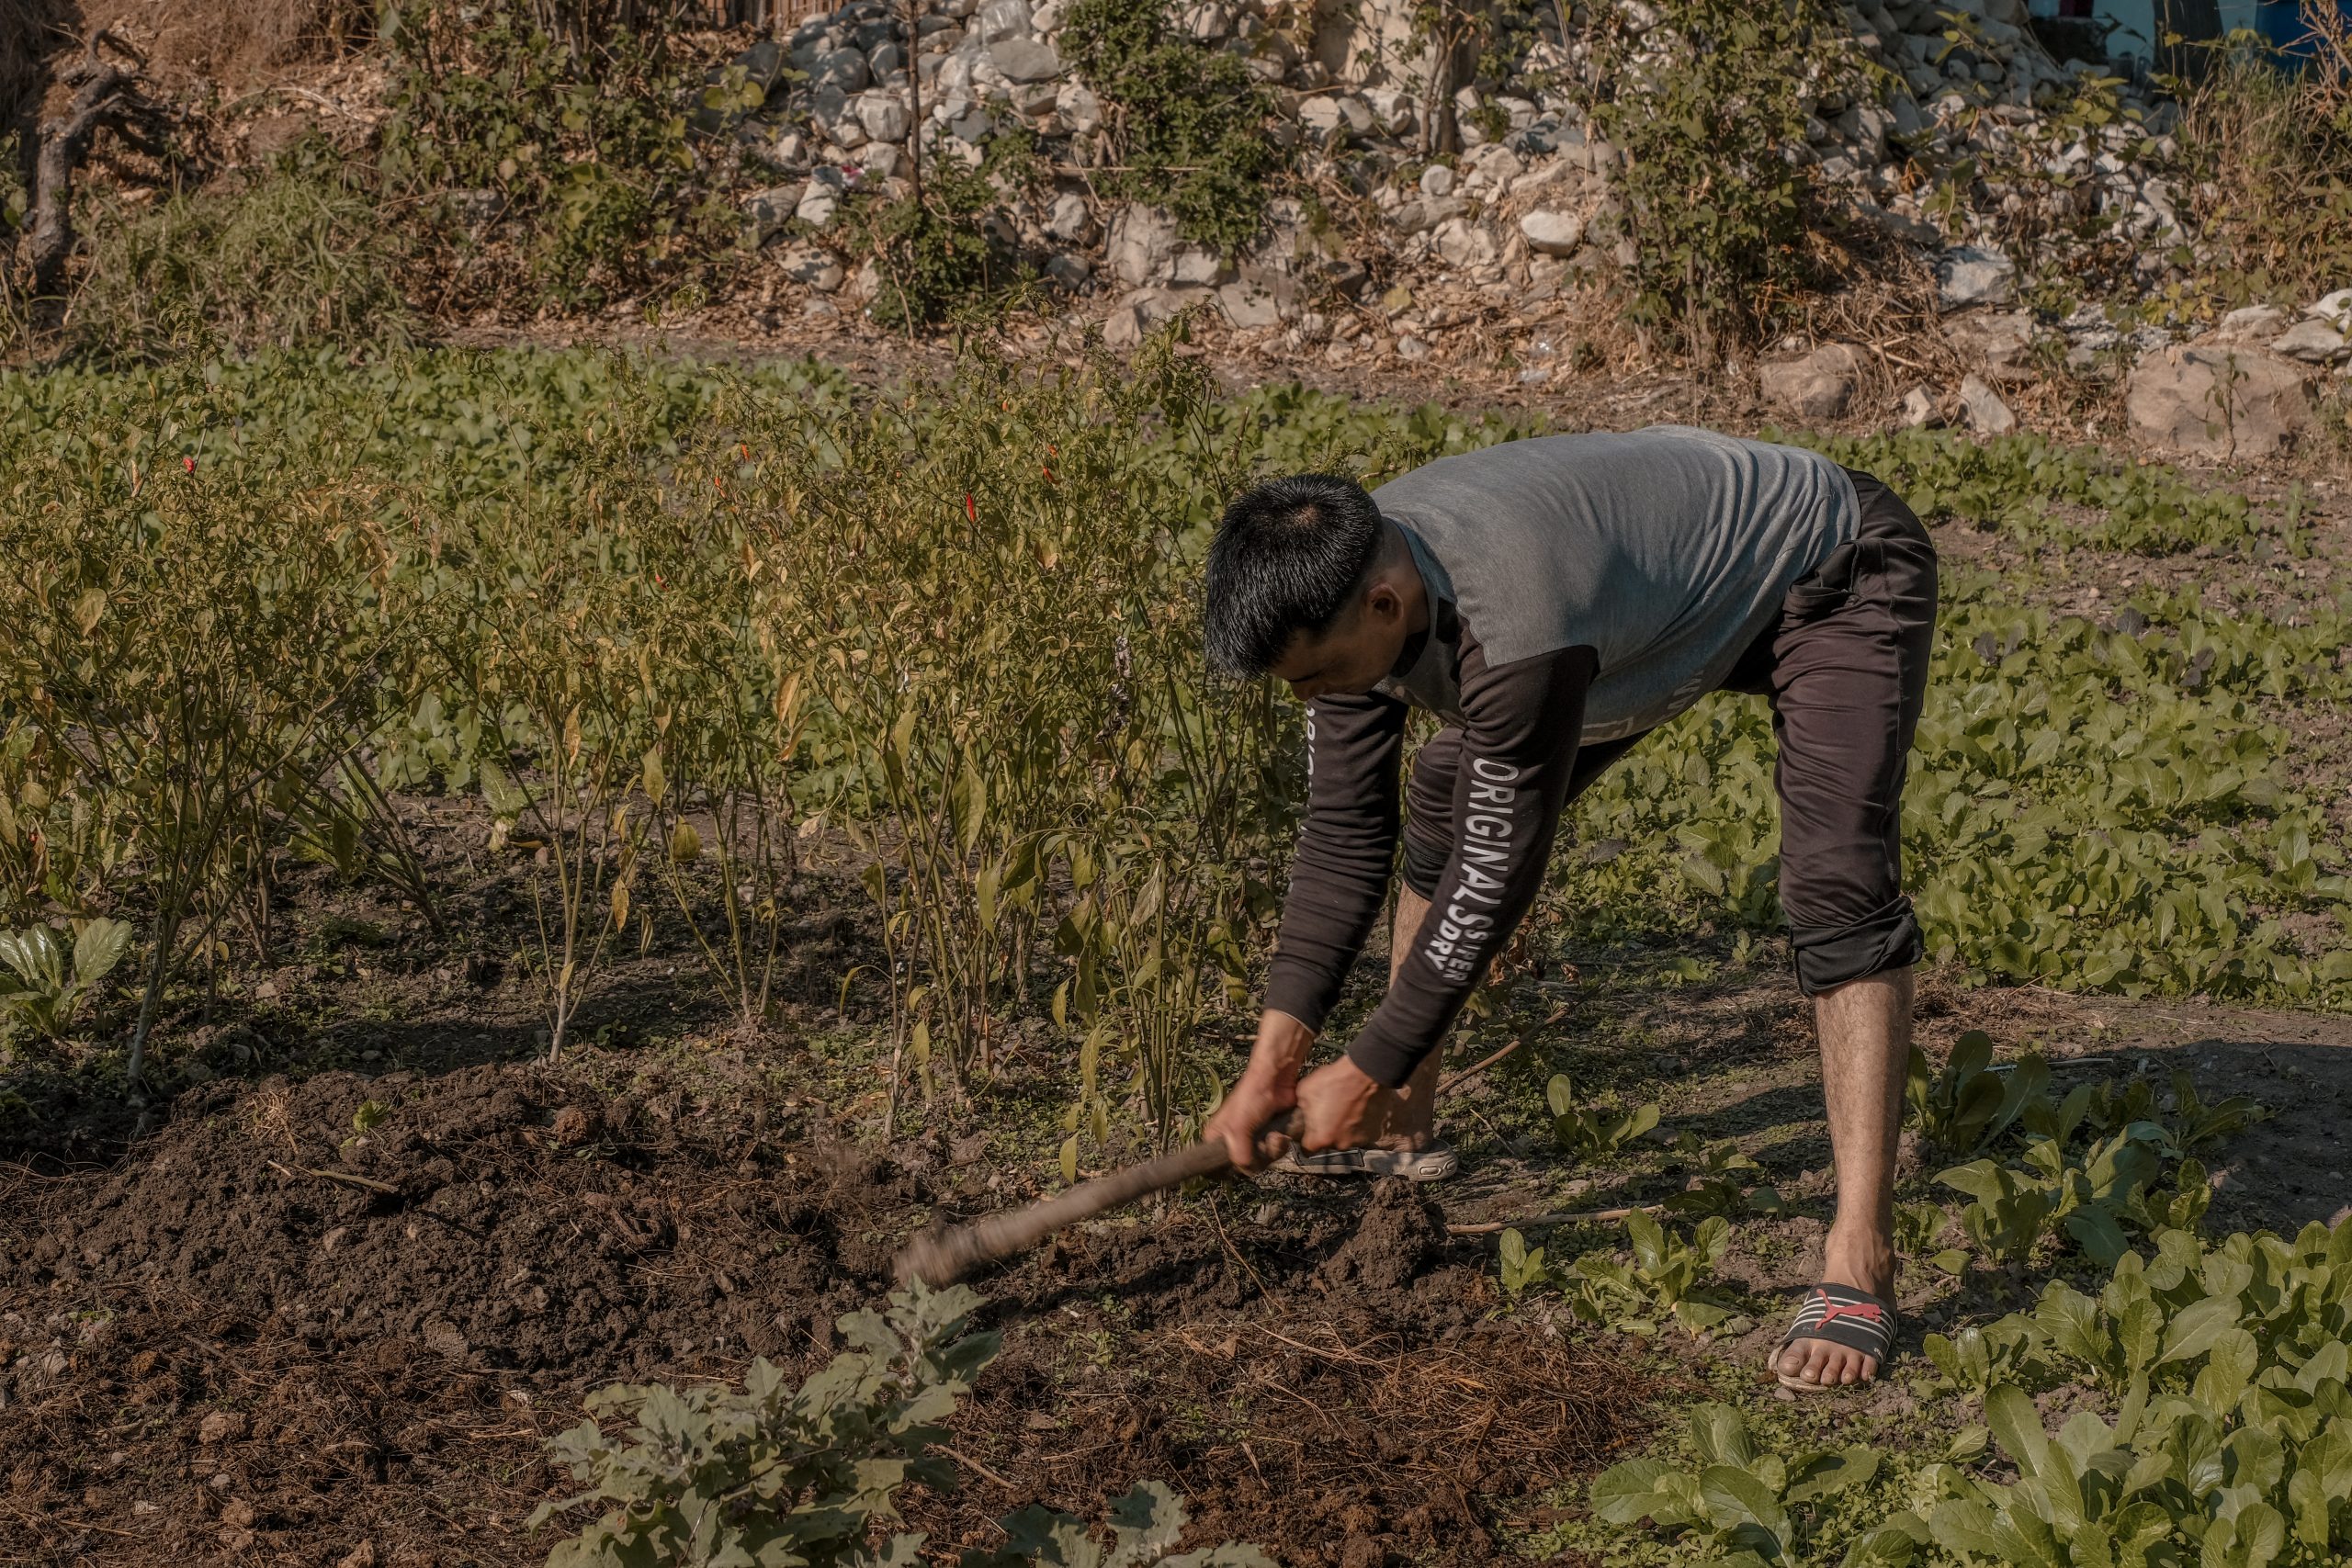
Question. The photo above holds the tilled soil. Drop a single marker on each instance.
(330, 1322)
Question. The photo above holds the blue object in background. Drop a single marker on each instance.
(2282, 21)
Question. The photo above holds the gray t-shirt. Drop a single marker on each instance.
(1666, 550)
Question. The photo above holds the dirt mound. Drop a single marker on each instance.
(309, 1316)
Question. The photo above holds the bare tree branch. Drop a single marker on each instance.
(103, 91)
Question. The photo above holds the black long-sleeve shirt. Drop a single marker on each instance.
(1521, 722)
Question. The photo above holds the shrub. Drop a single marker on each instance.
(576, 141)
(301, 256)
(1704, 105)
(939, 251)
(711, 1476)
(2270, 154)
(1190, 120)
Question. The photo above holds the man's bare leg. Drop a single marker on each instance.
(1865, 1029)
(1417, 1124)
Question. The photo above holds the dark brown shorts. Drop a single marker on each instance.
(1844, 670)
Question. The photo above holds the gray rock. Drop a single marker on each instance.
(1080, 110)
(1123, 327)
(1206, 20)
(2334, 308)
(1141, 245)
(813, 265)
(763, 64)
(1070, 272)
(1465, 245)
(2251, 323)
(2313, 342)
(821, 198)
(1552, 233)
(843, 68)
(1070, 221)
(770, 210)
(1974, 274)
(1320, 118)
(1988, 414)
(1195, 266)
(1026, 60)
(973, 126)
(879, 161)
(1249, 306)
(884, 117)
(1918, 410)
(2217, 403)
(886, 61)
(1412, 348)
(1436, 180)
(828, 106)
(1816, 388)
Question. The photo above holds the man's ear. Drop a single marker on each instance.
(1381, 599)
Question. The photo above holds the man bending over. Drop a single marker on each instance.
(1553, 601)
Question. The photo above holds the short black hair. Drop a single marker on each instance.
(1286, 557)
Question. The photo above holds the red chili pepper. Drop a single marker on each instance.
(191, 464)
(1047, 471)
(970, 511)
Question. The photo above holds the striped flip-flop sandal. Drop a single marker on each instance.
(1434, 1163)
(1843, 1316)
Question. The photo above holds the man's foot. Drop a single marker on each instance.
(1847, 1326)
(1433, 1161)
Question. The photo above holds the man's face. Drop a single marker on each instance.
(1353, 655)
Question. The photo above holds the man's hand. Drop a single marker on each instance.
(1342, 1107)
(1256, 1100)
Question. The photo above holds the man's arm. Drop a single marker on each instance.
(1518, 752)
(1337, 882)
(1339, 879)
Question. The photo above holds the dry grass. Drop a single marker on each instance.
(2274, 154)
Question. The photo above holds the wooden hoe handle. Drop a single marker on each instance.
(941, 1257)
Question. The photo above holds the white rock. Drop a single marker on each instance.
(2335, 308)
(1071, 221)
(1207, 20)
(1412, 348)
(1395, 108)
(1988, 414)
(2251, 323)
(1320, 118)
(1001, 19)
(1975, 275)
(1464, 244)
(884, 117)
(1918, 409)
(2312, 341)
(1079, 110)
(1436, 180)
(1142, 244)
(1552, 233)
